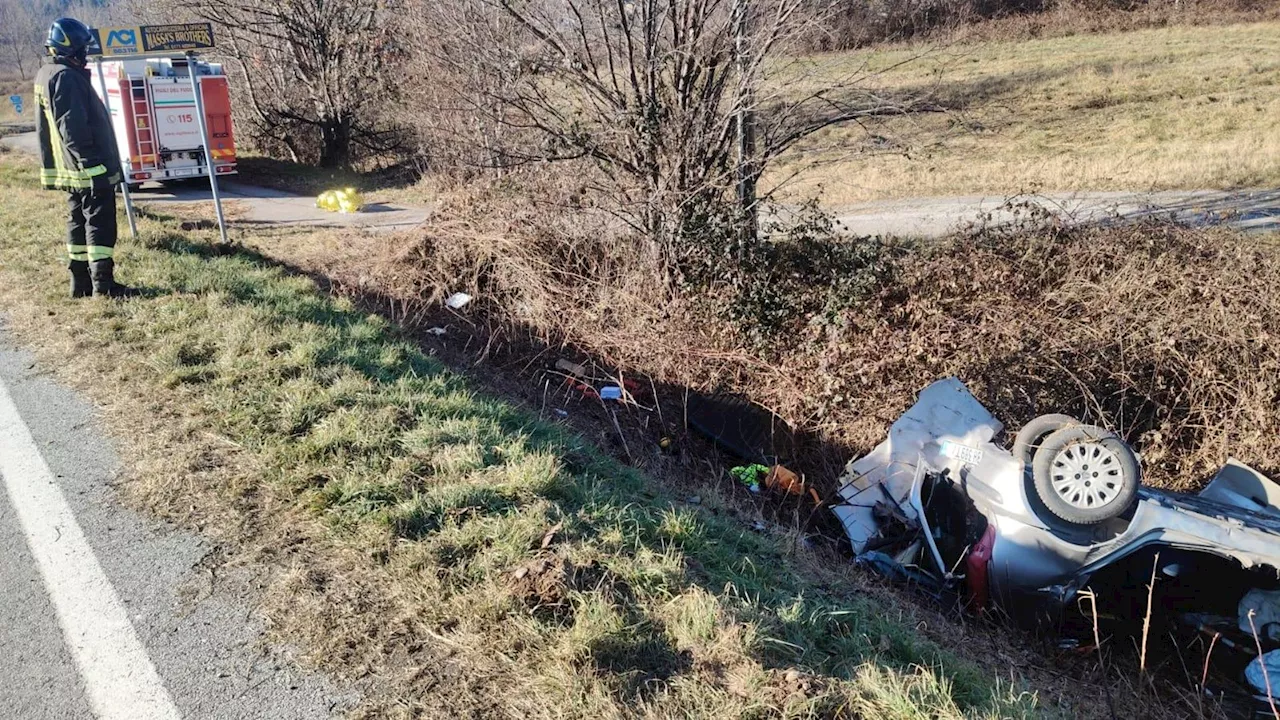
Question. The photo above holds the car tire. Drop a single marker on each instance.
(1034, 433)
(1085, 474)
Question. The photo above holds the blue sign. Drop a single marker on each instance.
(123, 41)
(17, 103)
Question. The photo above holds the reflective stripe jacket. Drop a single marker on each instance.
(77, 143)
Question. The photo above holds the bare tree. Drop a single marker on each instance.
(313, 74)
(22, 26)
(653, 92)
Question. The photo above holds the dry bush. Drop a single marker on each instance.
(847, 24)
(1073, 17)
(667, 111)
(1170, 335)
(1166, 334)
(552, 266)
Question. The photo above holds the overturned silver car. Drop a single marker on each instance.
(939, 503)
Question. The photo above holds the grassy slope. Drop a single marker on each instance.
(399, 501)
(11, 85)
(1178, 107)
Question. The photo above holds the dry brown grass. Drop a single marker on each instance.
(859, 24)
(1169, 335)
(1062, 18)
(1168, 108)
(1165, 333)
(1082, 17)
(12, 85)
(389, 510)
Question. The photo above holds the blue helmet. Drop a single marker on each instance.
(69, 37)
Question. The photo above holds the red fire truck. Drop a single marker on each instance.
(154, 114)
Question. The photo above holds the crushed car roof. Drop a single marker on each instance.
(948, 431)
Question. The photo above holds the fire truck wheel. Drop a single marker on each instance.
(135, 187)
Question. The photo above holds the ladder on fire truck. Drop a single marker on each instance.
(143, 129)
(177, 41)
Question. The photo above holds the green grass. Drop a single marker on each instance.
(393, 475)
(1167, 108)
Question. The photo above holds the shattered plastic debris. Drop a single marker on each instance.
(945, 409)
(458, 300)
(436, 331)
(1265, 682)
(571, 367)
(750, 475)
(611, 392)
(941, 505)
(783, 480)
(895, 571)
(1266, 613)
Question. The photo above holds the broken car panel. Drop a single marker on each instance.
(941, 503)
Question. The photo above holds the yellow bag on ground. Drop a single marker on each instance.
(346, 200)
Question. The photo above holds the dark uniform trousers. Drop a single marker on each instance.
(91, 225)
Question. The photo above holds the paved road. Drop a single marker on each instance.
(1252, 210)
(107, 614)
(262, 206)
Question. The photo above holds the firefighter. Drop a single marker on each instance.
(79, 155)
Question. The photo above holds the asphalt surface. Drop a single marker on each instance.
(264, 206)
(930, 217)
(258, 205)
(1250, 210)
(198, 628)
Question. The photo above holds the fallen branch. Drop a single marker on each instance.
(1204, 675)
(1146, 621)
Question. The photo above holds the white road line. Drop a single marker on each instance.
(121, 682)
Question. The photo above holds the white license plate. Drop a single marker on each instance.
(963, 453)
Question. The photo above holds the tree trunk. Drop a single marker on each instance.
(335, 142)
(19, 56)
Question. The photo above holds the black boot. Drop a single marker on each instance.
(104, 281)
(81, 283)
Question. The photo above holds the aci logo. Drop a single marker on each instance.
(118, 40)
